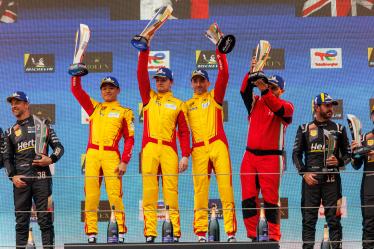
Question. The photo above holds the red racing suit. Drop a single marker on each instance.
(268, 118)
(109, 122)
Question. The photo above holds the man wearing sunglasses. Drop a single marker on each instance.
(263, 161)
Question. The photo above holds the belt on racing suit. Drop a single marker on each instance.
(264, 152)
(202, 143)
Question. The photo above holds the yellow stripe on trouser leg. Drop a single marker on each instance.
(200, 161)
(150, 163)
(92, 191)
(221, 162)
(109, 163)
(169, 167)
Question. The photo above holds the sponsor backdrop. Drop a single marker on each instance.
(326, 47)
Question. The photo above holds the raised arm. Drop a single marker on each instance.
(82, 97)
(281, 108)
(222, 78)
(143, 77)
(128, 135)
(246, 91)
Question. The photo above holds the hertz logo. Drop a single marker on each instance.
(26, 145)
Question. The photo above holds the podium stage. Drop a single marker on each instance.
(181, 245)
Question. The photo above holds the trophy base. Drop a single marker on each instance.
(257, 76)
(38, 157)
(226, 44)
(78, 69)
(140, 42)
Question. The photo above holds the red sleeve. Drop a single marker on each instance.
(184, 134)
(222, 78)
(281, 108)
(128, 144)
(82, 97)
(143, 77)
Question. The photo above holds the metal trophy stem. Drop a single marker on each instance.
(82, 36)
(140, 41)
(41, 134)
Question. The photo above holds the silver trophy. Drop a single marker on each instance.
(82, 37)
(141, 41)
(355, 127)
(41, 136)
(262, 55)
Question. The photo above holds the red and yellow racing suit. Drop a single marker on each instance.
(162, 113)
(210, 151)
(109, 121)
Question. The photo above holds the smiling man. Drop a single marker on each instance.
(29, 172)
(210, 149)
(109, 122)
(162, 113)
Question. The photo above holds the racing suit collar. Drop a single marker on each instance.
(25, 121)
(166, 94)
(113, 103)
(317, 123)
(196, 96)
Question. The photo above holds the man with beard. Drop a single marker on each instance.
(262, 165)
(367, 187)
(321, 178)
(29, 172)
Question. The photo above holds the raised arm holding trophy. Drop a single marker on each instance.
(109, 121)
(210, 145)
(162, 113)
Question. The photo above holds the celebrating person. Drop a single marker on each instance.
(210, 150)
(109, 122)
(28, 171)
(263, 161)
(162, 114)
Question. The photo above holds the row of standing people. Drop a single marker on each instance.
(262, 164)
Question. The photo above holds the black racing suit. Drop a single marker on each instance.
(311, 142)
(367, 192)
(19, 152)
